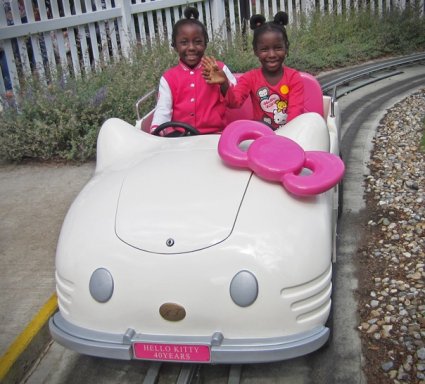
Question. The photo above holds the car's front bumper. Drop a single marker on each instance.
(222, 350)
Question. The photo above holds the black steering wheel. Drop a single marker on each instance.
(188, 130)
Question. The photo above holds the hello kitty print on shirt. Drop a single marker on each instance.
(274, 107)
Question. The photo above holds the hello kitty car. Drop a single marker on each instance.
(175, 252)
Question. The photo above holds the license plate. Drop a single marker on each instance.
(171, 352)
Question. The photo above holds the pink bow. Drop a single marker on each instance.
(277, 158)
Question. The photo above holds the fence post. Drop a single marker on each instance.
(125, 34)
(307, 7)
(218, 18)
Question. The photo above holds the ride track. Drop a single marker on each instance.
(325, 370)
(337, 88)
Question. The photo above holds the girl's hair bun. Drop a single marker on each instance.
(281, 18)
(191, 13)
(256, 21)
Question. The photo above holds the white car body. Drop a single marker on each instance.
(168, 254)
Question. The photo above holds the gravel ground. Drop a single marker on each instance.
(391, 290)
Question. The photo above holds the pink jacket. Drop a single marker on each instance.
(185, 96)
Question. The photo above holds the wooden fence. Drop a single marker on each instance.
(42, 37)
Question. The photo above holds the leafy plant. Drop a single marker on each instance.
(62, 120)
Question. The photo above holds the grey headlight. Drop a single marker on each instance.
(101, 285)
(244, 288)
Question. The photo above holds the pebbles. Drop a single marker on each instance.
(392, 304)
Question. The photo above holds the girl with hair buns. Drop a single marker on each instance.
(184, 95)
(277, 91)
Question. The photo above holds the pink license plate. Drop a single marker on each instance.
(172, 352)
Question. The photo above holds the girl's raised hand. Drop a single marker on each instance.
(211, 72)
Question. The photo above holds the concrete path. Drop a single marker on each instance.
(33, 202)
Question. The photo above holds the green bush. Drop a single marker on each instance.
(62, 120)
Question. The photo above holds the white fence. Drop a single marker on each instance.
(41, 37)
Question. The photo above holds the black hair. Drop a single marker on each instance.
(259, 25)
(191, 17)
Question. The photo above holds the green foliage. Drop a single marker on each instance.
(237, 54)
(62, 120)
(331, 41)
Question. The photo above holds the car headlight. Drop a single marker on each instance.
(101, 285)
(244, 288)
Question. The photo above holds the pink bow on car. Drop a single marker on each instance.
(277, 158)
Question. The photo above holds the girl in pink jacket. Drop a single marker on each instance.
(184, 95)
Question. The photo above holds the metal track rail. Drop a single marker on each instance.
(372, 69)
(189, 374)
(367, 75)
(153, 373)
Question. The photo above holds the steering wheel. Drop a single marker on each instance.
(188, 129)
